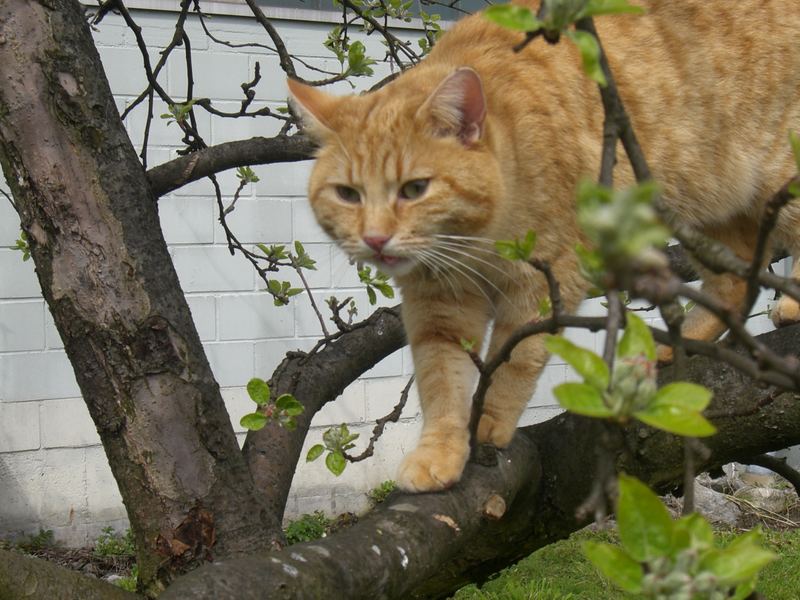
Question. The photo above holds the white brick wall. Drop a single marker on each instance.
(53, 471)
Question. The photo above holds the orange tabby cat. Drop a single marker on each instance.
(478, 144)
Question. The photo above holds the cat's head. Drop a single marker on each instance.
(402, 168)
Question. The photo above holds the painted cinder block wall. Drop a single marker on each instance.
(53, 472)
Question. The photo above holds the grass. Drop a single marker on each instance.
(561, 572)
(111, 543)
(307, 528)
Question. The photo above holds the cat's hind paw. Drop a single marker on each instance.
(494, 431)
(432, 468)
(664, 354)
(786, 312)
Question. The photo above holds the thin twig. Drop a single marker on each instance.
(313, 302)
(336, 307)
(380, 424)
(9, 198)
(285, 58)
(768, 221)
(613, 322)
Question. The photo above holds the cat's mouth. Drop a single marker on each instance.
(393, 265)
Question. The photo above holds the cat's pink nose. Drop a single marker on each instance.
(376, 242)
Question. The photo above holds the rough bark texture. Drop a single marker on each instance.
(553, 463)
(105, 273)
(410, 539)
(23, 577)
(272, 452)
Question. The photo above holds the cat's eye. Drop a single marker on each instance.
(411, 190)
(348, 194)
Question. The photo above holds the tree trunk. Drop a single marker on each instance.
(105, 273)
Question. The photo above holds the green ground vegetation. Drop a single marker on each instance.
(562, 572)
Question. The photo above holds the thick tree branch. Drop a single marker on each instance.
(255, 151)
(37, 579)
(272, 453)
(540, 490)
(496, 516)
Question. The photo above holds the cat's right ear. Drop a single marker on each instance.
(314, 107)
(457, 106)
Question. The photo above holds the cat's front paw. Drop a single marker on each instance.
(495, 431)
(786, 312)
(431, 468)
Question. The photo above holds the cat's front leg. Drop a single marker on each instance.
(445, 379)
(512, 384)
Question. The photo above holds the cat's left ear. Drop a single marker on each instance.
(314, 107)
(458, 106)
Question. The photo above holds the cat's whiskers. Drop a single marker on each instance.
(471, 238)
(468, 247)
(460, 265)
(465, 251)
(437, 271)
(447, 263)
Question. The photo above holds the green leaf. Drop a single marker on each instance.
(253, 421)
(794, 140)
(289, 404)
(615, 564)
(590, 54)
(517, 249)
(303, 260)
(692, 531)
(258, 390)
(637, 339)
(247, 175)
(373, 298)
(744, 590)
(335, 462)
(385, 289)
(315, 452)
(645, 527)
(545, 307)
(583, 399)
(587, 364)
(677, 420)
(684, 395)
(512, 16)
(592, 265)
(357, 61)
(467, 345)
(740, 561)
(595, 8)
(508, 250)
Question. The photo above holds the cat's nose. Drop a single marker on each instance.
(376, 242)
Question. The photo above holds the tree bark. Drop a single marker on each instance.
(208, 161)
(106, 275)
(431, 544)
(272, 452)
(34, 578)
